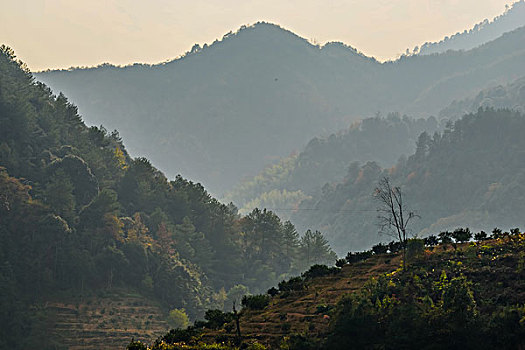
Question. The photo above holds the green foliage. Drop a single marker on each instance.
(216, 318)
(433, 304)
(255, 302)
(415, 248)
(319, 271)
(178, 319)
(294, 284)
(136, 345)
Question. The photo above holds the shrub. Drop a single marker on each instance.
(340, 262)
(298, 342)
(272, 291)
(358, 256)
(431, 241)
(256, 346)
(415, 247)
(285, 327)
(322, 309)
(394, 247)
(293, 284)
(216, 318)
(380, 248)
(136, 345)
(255, 302)
(319, 271)
(180, 335)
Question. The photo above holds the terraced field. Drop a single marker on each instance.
(107, 322)
(302, 312)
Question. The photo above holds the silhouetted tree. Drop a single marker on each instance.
(393, 215)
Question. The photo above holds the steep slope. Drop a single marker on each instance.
(79, 217)
(513, 18)
(470, 174)
(222, 112)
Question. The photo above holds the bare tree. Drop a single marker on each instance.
(393, 216)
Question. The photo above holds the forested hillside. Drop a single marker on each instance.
(511, 96)
(222, 112)
(514, 17)
(471, 174)
(79, 216)
(325, 160)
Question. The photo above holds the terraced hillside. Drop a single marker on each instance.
(109, 321)
(306, 312)
(456, 293)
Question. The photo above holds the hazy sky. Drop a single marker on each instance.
(64, 33)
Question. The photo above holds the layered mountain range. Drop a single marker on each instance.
(222, 112)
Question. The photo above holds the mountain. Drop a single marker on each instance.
(511, 96)
(481, 33)
(324, 160)
(91, 236)
(471, 174)
(222, 112)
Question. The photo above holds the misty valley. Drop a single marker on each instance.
(268, 192)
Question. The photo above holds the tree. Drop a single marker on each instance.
(315, 249)
(393, 216)
(461, 235)
(178, 319)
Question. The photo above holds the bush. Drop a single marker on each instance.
(272, 291)
(255, 302)
(415, 247)
(298, 342)
(180, 335)
(319, 271)
(322, 309)
(340, 262)
(293, 284)
(136, 345)
(431, 241)
(358, 256)
(216, 318)
(380, 248)
(256, 346)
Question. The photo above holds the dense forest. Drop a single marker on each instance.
(481, 33)
(326, 159)
(222, 112)
(77, 213)
(470, 174)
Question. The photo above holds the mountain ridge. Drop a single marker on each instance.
(271, 97)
